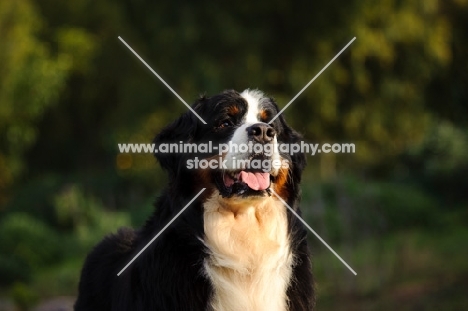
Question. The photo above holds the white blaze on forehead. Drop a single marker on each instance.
(253, 98)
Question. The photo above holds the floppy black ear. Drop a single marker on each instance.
(290, 136)
(181, 130)
(298, 160)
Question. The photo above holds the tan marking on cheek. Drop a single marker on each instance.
(204, 177)
(280, 183)
(203, 180)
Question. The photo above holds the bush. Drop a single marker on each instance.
(27, 244)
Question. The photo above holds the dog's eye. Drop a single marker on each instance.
(224, 124)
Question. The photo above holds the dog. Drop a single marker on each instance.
(236, 246)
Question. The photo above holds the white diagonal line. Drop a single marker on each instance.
(312, 230)
(162, 80)
(310, 82)
(160, 232)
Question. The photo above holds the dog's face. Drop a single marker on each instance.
(245, 159)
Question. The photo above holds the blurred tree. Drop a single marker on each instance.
(375, 94)
(30, 81)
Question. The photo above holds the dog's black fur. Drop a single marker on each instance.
(168, 275)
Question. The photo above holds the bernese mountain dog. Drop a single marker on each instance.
(237, 247)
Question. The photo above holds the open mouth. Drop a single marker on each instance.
(243, 182)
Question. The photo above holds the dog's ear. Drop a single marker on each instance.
(181, 130)
(290, 136)
(298, 159)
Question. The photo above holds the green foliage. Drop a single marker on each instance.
(351, 209)
(78, 46)
(60, 279)
(30, 81)
(445, 148)
(409, 270)
(27, 245)
(86, 217)
(405, 206)
(23, 296)
(74, 209)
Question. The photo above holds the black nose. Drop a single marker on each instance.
(261, 132)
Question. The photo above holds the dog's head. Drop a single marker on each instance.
(237, 152)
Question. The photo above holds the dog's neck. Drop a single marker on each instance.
(250, 262)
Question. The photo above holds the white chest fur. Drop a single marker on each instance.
(251, 262)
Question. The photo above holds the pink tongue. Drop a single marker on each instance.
(255, 181)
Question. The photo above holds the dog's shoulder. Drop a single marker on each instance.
(99, 273)
(112, 247)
